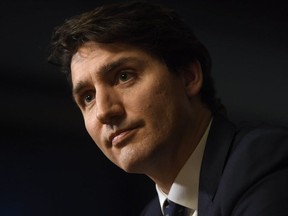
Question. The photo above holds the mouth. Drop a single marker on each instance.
(121, 137)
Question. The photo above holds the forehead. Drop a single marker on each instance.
(91, 50)
(91, 55)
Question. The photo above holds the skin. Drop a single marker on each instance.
(144, 118)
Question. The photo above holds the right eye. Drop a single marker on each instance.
(87, 98)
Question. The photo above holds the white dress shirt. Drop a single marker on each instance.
(184, 190)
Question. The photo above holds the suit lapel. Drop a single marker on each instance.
(216, 152)
(153, 208)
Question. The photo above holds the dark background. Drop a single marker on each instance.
(49, 165)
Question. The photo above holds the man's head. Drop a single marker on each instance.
(136, 111)
(152, 28)
(142, 81)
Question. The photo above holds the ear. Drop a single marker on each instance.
(193, 78)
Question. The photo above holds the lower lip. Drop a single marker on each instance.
(122, 138)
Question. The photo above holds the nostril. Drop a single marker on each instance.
(110, 114)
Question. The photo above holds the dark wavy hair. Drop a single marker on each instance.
(157, 30)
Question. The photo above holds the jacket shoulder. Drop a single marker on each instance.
(256, 171)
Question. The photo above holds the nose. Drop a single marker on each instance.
(109, 107)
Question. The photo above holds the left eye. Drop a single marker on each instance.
(125, 76)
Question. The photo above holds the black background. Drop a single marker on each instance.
(49, 165)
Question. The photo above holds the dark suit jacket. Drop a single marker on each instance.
(244, 172)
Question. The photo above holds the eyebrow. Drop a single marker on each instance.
(118, 63)
(104, 69)
(78, 88)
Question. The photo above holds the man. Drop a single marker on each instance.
(142, 81)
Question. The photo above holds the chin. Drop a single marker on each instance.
(131, 166)
(131, 162)
(135, 158)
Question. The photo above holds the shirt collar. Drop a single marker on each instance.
(184, 190)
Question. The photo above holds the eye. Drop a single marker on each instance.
(87, 98)
(125, 76)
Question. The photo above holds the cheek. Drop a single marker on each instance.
(154, 104)
(92, 128)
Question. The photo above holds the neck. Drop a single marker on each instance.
(170, 165)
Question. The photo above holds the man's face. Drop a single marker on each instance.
(133, 107)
